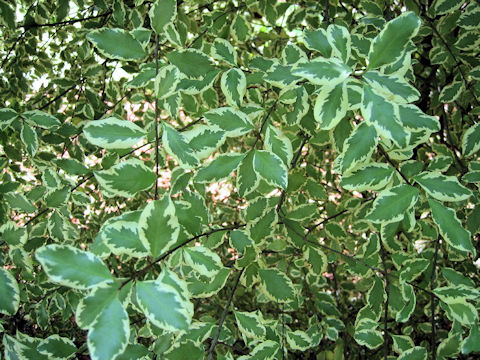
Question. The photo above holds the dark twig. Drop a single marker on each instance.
(213, 22)
(433, 340)
(264, 121)
(387, 290)
(292, 165)
(66, 22)
(20, 37)
(196, 237)
(224, 315)
(384, 153)
(156, 122)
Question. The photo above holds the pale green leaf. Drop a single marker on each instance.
(219, 168)
(172, 313)
(450, 227)
(113, 133)
(162, 13)
(158, 226)
(125, 179)
(177, 146)
(109, 334)
(10, 299)
(72, 267)
(234, 86)
(390, 44)
(276, 285)
(116, 44)
(392, 204)
(442, 187)
(331, 106)
(271, 168)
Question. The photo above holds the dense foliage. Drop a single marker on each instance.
(239, 180)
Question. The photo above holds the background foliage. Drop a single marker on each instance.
(251, 180)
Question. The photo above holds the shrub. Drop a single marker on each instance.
(239, 180)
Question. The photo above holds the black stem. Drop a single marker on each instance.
(224, 315)
(156, 123)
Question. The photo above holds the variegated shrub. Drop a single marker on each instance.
(259, 179)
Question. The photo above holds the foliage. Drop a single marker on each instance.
(239, 180)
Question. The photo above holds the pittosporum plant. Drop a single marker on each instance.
(239, 179)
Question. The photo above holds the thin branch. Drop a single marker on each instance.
(264, 121)
(384, 153)
(37, 215)
(20, 37)
(196, 237)
(156, 122)
(304, 237)
(224, 315)
(314, 226)
(292, 165)
(387, 290)
(213, 22)
(66, 22)
(433, 340)
(59, 96)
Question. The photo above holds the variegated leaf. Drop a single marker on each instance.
(393, 88)
(30, 139)
(270, 168)
(317, 40)
(471, 140)
(276, 142)
(298, 340)
(276, 285)
(389, 45)
(267, 350)
(109, 333)
(176, 145)
(415, 353)
(415, 120)
(450, 227)
(442, 187)
(370, 338)
(57, 347)
(162, 13)
(204, 139)
(372, 177)
(113, 133)
(392, 204)
(250, 324)
(125, 179)
(219, 168)
(234, 86)
(10, 299)
(339, 38)
(321, 71)
(223, 50)
(166, 81)
(72, 267)
(331, 106)
(382, 114)
(247, 178)
(202, 260)
(173, 313)
(234, 122)
(158, 226)
(107, 41)
(358, 147)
